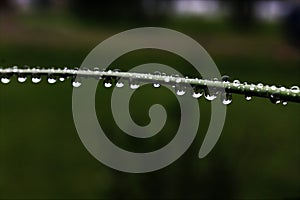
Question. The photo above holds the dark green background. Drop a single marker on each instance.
(41, 155)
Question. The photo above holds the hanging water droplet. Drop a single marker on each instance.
(22, 78)
(76, 82)
(36, 78)
(248, 97)
(5, 80)
(197, 92)
(156, 85)
(180, 89)
(108, 82)
(284, 103)
(51, 79)
(275, 98)
(295, 89)
(209, 94)
(120, 84)
(61, 78)
(134, 84)
(226, 98)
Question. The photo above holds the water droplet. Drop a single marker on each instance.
(15, 69)
(76, 82)
(178, 80)
(260, 85)
(273, 87)
(248, 97)
(5, 80)
(284, 103)
(51, 79)
(61, 78)
(282, 89)
(236, 83)
(295, 89)
(156, 85)
(157, 73)
(120, 84)
(275, 98)
(252, 87)
(167, 79)
(22, 78)
(197, 95)
(109, 71)
(225, 79)
(209, 94)
(36, 78)
(134, 84)
(197, 92)
(107, 82)
(210, 97)
(180, 89)
(96, 69)
(226, 98)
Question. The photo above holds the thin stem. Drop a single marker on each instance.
(259, 90)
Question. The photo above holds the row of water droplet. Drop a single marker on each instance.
(179, 85)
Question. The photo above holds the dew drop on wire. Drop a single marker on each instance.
(156, 85)
(273, 87)
(197, 92)
(36, 78)
(260, 86)
(120, 84)
(15, 69)
(225, 79)
(248, 97)
(275, 98)
(284, 103)
(21, 78)
(167, 79)
(76, 82)
(108, 82)
(210, 97)
(157, 73)
(51, 79)
(295, 89)
(236, 83)
(180, 89)
(209, 94)
(5, 80)
(226, 98)
(134, 84)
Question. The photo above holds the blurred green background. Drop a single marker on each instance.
(41, 155)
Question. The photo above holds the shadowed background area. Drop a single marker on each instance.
(258, 154)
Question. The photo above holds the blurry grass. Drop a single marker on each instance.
(41, 155)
